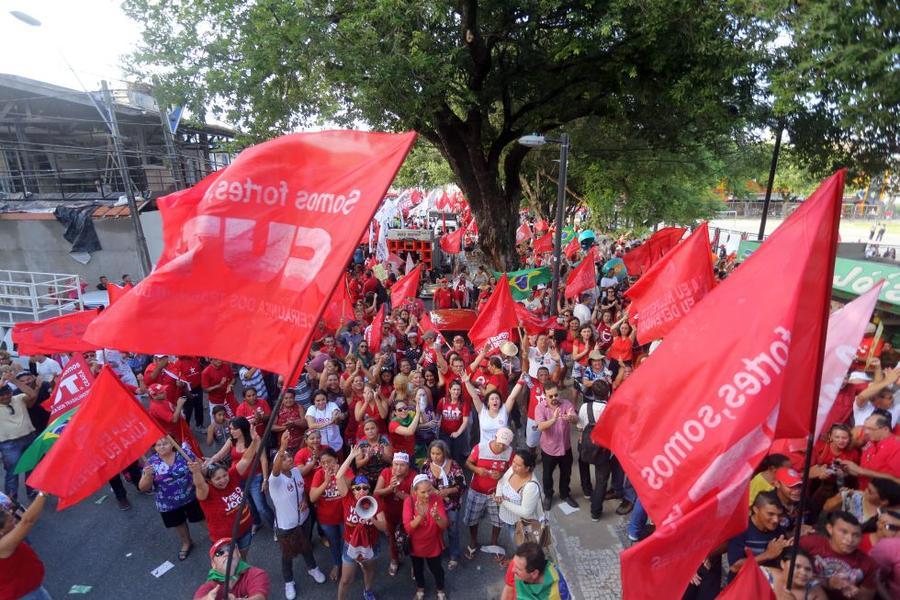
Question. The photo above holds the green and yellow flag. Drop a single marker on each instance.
(521, 282)
(41, 446)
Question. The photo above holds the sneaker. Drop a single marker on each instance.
(290, 591)
(317, 575)
(124, 504)
(595, 518)
(369, 595)
(571, 501)
(625, 507)
(632, 538)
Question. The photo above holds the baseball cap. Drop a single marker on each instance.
(412, 334)
(504, 435)
(859, 376)
(401, 457)
(219, 544)
(156, 388)
(788, 477)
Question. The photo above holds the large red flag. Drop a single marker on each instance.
(647, 254)
(108, 432)
(115, 291)
(701, 404)
(496, 320)
(339, 308)
(375, 331)
(532, 323)
(452, 242)
(72, 386)
(544, 243)
(672, 287)
(59, 334)
(260, 250)
(583, 277)
(406, 287)
(748, 584)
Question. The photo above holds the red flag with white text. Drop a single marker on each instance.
(58, 334)
(647, 254)
(109, 431)
(496, 320)
(452, 242)
(702, 404)
(72, 386)
(583, 277)
(672, 287)
(523, 233)
(406, 287)
(253, 254)
(375, 331)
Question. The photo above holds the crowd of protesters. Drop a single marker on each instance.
(404, 446)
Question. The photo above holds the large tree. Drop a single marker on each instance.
(470, 76)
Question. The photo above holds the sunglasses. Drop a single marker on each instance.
(552, 396)
(359, 488)
(400, 408)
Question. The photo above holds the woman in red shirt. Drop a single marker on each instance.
(370, 406)
(581, 348)
(326, 497)
(23, 571)
(454, 412)
(622, 348)
(425, 519)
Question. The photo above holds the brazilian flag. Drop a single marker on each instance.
(41, 446)
(568, 234)
(521, 282)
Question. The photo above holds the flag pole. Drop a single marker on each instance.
(817, 384)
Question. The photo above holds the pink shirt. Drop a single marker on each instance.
(555, 441)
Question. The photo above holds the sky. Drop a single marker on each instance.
(91, 35)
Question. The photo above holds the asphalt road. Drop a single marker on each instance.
(114, 552)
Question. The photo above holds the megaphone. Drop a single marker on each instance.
(366, 507)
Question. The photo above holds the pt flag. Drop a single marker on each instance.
(647, 254)
(701, 406)
(543, 244)
(406, 287)
(115, 291)
(72, 386)
(254, 251)
(339, 308)
(672, 287)
(583, 277)
(452, 242)
(59, 334)
(110, 431)
(375, 331)
(497, 319)
(523, 233)
(572, 248)
(749, 583)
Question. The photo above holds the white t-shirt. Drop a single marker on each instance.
(331, 435)
(48, 369)
(536, 360)
(286, 491)
(598, 407)
(582, 313)
(115, 360)
(489, 425)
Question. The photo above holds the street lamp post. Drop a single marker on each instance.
(536, 141)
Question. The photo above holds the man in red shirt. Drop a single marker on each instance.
(164, 413)
(188, 368)
(881, 455)
(443, 297)
(161, 371)
(488, 462)
(370, 283)
(845, 572)
(247, 582)
(255, 410)
(217, 379)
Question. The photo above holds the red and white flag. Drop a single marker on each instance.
(846, 328)
(72, 386)
(672, 287)
(406, 287)
(700, 408)
(523, 233)
(108, 432)
(583, 277)
(643, 257)
(255, 250)
(497, 319)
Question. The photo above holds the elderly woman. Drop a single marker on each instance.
(425, 519)
(168, 474)
(447, 477)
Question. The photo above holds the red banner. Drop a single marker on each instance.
(496, 320)
(72, 386)
(115, 291)
(647, 254)
(749, 583)
(583, 277)
(523, 233)
(59, 334)
(339, 308)
(452, 242)
(534, 324)
(108, 432)
(543, 244)
(726, 367)
(406, 287)
(253, 254)
(672, 287)
(375, 331)
(571, 250)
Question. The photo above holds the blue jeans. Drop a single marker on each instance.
(38, 594)
(335, 535)
(258, 505)
(453, 534)
(638, 522)
(12, 451)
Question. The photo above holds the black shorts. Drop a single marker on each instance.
(189, 512)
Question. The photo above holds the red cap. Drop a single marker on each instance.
(156, 389)
(788, 477)
(221, 542)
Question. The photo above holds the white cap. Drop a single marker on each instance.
(859, 375)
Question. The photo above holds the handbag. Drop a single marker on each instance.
(588, 451)
(532, 530)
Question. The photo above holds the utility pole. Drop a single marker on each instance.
(772, 167)
(143, 252)
(170, 148)
(560, 214)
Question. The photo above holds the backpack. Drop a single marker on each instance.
(588, 451)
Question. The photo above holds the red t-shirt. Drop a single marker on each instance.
(827, 562)
(163, 379)
(213, 376)
(23, 572)
(824, 455)
(622, 348)
(189, 369)
(401, 443)
(484, 457)
(220, 505)
(303, 456)
(328, 506)
(883, 456)
(162, 412)
(426, 540)
(369, 412)
(443, 298)
(390, 502)
(252, 414)
(428, 358)
(536, 395)
(452, 414)
(358, 532)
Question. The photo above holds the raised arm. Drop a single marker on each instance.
(340, 478)
(10, 541)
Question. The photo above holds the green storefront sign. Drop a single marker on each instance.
(854, 277)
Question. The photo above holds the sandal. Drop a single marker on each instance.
(470, 552)
(392, 570)
(183, 554)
